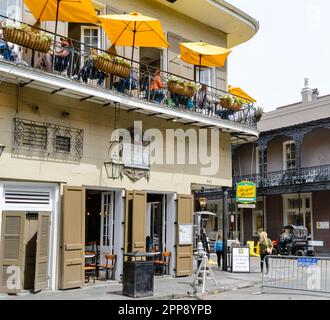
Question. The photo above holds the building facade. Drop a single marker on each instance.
(290, 165)
(62, 180)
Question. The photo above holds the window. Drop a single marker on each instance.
(259, 165)
(47, 139)
(62, 144)
(9, 8)
(205, 75)
(91, 37)
(258, 221)
(34, 136)
(298, 211)
(289, 155)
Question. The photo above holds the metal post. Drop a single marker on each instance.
(224, 227)
(56, 25)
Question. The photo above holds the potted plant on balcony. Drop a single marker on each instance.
(23, 36)
(112, 64)
(226, 101)
(181, 87)
(236, 104)
(259, 113)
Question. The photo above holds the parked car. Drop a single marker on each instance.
(293, 242)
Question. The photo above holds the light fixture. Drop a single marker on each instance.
(2, 147)
(114, 169)
(202, 203)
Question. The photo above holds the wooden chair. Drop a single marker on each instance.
(110, 263)
(90, 260)
(164, 263)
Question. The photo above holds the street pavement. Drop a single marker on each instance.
(230, 286)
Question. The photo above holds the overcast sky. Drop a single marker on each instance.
(293, 43)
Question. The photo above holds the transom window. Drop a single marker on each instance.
(289, 155)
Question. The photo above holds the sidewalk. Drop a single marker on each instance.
(165, 287)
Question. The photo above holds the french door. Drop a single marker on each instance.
(106, 241)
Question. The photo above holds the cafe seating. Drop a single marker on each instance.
(90, 260)
(162, 266)
(110, 263)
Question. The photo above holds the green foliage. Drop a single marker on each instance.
(114, 59)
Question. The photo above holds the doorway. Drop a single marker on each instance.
(25, 238)
(156, 222)
(99, 223)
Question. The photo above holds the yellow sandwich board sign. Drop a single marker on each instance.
(246, 192)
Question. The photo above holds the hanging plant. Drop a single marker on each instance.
(259, 113)
(112, 64)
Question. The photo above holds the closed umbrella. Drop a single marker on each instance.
(79, 11)
(203, 54)
(134, 29)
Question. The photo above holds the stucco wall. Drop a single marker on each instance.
(97, 122)
(316, 148)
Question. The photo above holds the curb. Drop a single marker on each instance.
(198, 294)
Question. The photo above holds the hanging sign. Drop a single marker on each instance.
(246, 192)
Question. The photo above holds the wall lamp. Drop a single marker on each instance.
(114, 169)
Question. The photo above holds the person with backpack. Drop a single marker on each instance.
(218, 247)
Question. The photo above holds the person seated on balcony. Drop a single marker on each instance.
(156, 87)
(203, 101)
(62, 58)
(5, 50)
(129, 83)
(89, 72)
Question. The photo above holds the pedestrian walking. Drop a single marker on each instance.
(218, 247)
(266, 248)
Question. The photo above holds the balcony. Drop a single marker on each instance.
(304, 176)
(77, 76)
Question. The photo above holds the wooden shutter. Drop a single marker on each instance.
(12, 249)
(139, 216)
(128, 221)
(175, 64)
(184, 253)
(73, 237)
(42, 252)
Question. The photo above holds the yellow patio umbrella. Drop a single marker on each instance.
(134, 29)
(203, 54)
(79, 11)
(237, 91)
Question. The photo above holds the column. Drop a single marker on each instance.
(224, 228)
(262, 145)
(298, 140)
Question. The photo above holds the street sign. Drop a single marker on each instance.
(307, 262)
(246, 192)
(247, 205)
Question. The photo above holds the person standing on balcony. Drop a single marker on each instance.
(203, 100)
(156, 87)
(266, 248)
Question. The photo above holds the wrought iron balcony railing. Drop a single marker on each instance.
(288, 177)
(79, 66)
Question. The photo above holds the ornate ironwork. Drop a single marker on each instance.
(48, 139)
(79, 66)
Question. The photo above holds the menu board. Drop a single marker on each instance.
(240, 259)
(185, 234)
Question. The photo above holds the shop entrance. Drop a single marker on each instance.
(99, 224)
(156, 223)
